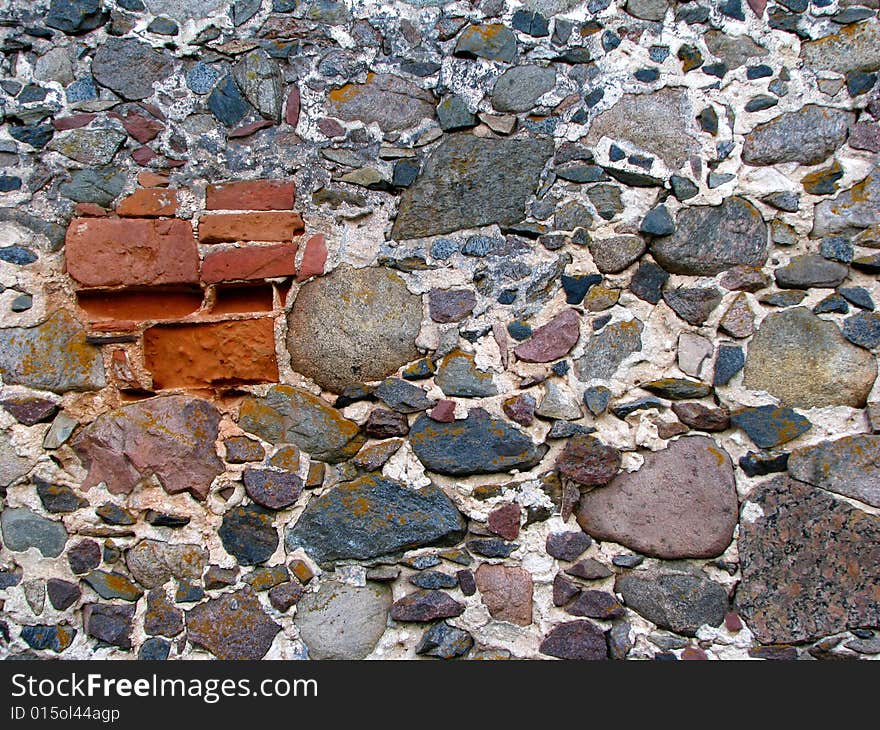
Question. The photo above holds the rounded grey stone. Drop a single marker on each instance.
(23, 529)
(519, 88)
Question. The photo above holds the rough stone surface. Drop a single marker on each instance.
(506, 592)
(808, 136)
(232, 626)
(605, 351)
(846, 466)
(552, 340)
(23, 529)
(390, 101)
(130, 67)
(576, 640)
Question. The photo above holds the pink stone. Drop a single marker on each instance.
(330, 127)
(444, 411)
(757, 6)
(314, 258)
(141, 127)
(507, 593)
(73, 122)
(248, 129)
(865, 136)
(291, 113)
(143, 156)
(732, 622)
(553, 340)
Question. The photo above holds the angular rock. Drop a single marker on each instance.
(739, 320)
(341, 621)
(161, 617)
(596, 604)
(445, 642)
(693, 304)
(272, 489)
(153, 563)
(701, 417)
(552, 340)
(519, 88)
(607, 349)
(112, 585)
(810, 564)
(423, 606)
(260, 81)
(62, 594)
(847, 466)
(23, 528)
(567, 545)
(130, 67)
(450, 305)
(506, 592)
(807, 136)
(588, 462)
(353, 326)
(171, 438)
(232, 626)
(712, 239)
(558, 402)
(52, 356)
(494, 42)
(248, 535)
(613, 255)
(469, 182)
(851, 211)
(769, 426)
(806, 362)
(458, 375)
(680, 504)
(810, 271)
(403, 397)
(478, 444)
(390, 101)
(74, 17)
(372, 517)
(12, 466)
(678, 601)
(84, 556)
(576, 640)
(110, 624)
(855, 47)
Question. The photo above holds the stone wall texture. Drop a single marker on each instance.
(344, 329)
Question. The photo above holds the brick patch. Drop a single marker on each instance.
(232, 227)
(251, 262)
(251, 195)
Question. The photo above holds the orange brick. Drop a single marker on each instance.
(152, 304)
(314, 258)
(149, 179)
(251, 195)
(230, 227)
(249, 262)
(109, 252)
(149, 203)
(215, 354)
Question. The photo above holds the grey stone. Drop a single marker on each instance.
(469, 182)
(712, 239)
(227, 103)
(810, 564)
(678, 601)
(680, 504)
(101, 186)
(352, 326)
(558, 402)
(810, 271)
(130, 67)
(733, 50)
(494, 42)
(23, 528)
(613, 255)
(808, 136)
(341, 621)
(153, 563)
(12, 466)
(445, 642)
(607, 349)
(183, 10)
(259, 79)
(851, 211)
(458, 376)
(453, 113)
(75, 17)
(693, 304)
(846, 466)
(647, 9)
(519, 88)
(52, 356)
(854, 48)
(201, 78)
(769, 426)
(372, 517)
(806, 362)
(403, 397)
(390, 101)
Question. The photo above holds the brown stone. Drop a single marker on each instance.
(232, 227)
(681, 504)
(596, 604)
(738, 321)
(520, 408)
(553, 340)
(422, 606)
(251, 195)
(250, 262)
(506, 592)
(701, 417)
(588, 461)
(578, 640)
(450, 305)
(232, 626)
(504, 521)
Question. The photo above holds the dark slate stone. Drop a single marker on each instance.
(99, 185)
(445, 642)
(837, 248)
(30, 411)
(405, 173)
(112, 585)
(272, 489)
(453, 114)
(163, 26)
(53, 638)
(433, 579)
(832, 304)
(770, 426)
(62, 593)
(491, 547)
(648, 282)
(164, 519)
(658, 222)
(859, 296)
(403, 397)
(36, 135)
(84, 556)
(469, 182)
(596, 399)
(373, 516)
(759, 464)
(531, 23)
(8, 183)
(58, 498)
(787, 201)
(423, 606)
(567, 545)
(81, 90)
(248, 535)
(863, 329)
(227, 104)
(74, 17)
(478, 444)
(154, 650)
(761, 71)
(111, 624)
(693, 304)
(809, 271)
(683, 188)
(578, 640)
(622, 410)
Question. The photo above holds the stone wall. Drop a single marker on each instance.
(349, 328)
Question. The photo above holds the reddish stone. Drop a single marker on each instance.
(466, 582)
(174, 163)
(231, 227)
(141, 127)
(90, 210)
(72, 122)
(149, 203)
(553, 340)
(314, 258)
(563, 590)
(732, 622)
(596, 604)
(383, 424)
(774, 652)
(520, 408)
(757, 6)
(131, 251)
(29, 410)
(670, 430)
(248, 129)
(589, 569)
(504, 521)
(251, 195)
(143, 156)
(865, 136)
(588, 461)
(450, 305)
(422, 606)
(330, 127)
(444, 411)
(249, 262)
(696, 415)
(581, 640)
(214, 354)
(694, 653)
(291, 112)
(148, 179)
(242, 299)
(506, 592)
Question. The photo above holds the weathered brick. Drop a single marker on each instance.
(314, 258)
(251, 195)
(249, 262)
(211, 354)
(242, 299)
(149, 203)
(152, 180)
(152, 304)
(231, 227)
(131, 251)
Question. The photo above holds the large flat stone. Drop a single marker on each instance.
(852, 211)
(23, 528)
(130, 67)
(607, 349)
(390, 101)
(680, 504)
(232, 626)
(809, 136)
(847, 466)
(855, 47)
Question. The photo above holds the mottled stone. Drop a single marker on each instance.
(589, 569)
(494, 42)
(596, 604)
(62, 594)
(504, 521)
(678, 601)
(423, 606)
(247, 534)
(519, 88)
(854, 209)
(520, 408)
(445, 642)
(383, 424)
(171, 438)
(161, 617)
(112, 585)
(23, 529)
(693, 304)
(588, 462)
(680, 504)
(260, 81)
(506, 592)
(130, 67)
(478, 444)
(12, 466)
(241, 449)
(677, 388)
(469, 182)
(607, 349)
(770, 426)
(450, 305)
(576, 640)
(373, 516)
(153, 563)
(84, 556)
(52, 356)
(272, 489)
(807, 136)
(232, 626)
(806, 362)
(458, 375)
(712, 239)
(567, 545)
(390, 101)
(809, 562)
(863, 329)
(110, 624)
(855, 47)
(846, 466)
(701, 417)
(810, 271)
(403, 397)
(552, 340)
(613, 255)
(352, 326)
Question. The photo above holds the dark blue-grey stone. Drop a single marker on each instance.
(648, 281)
(284, 6)
(403, 397)
(492, 43)
(492, 547)
(136, 6)
(405, 174)
(59, 498)
(832, 304)
(54, 638)
(658, 222)
(770, 426)
(760, 71)
(576, 287)
(445, 642)
(373, 516)
(227, 104)
(443, 248)
(154, 649)
(531, 23)
(130, 67)
(22, 303)
(759, 464)
(101, 185)
(859, 296)
(163, 26)
(36, 135)
(658, 54)
(581, 173)
(683, 188)
(519, 330)
(596, 399)
(244, 10)
(859, 82)
(760, 103)
(478, 246)
(453, 114)
(75, 16)
(837, 248)
(23, 529)
(610, 41)
(717, 179)
(8, 183)
(478, 444)
(622, 410)
(18, 255)
(81, 90)
(863, 329)
(719, 70)
(787, 201)
(434, 580)
(647, 75)
(201, 78)
(248, 535)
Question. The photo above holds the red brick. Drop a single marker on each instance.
(216, 354)
(230, 227)
(151, 304)
(149, 202)
(251, 195)
(249, 262)
(152, 180)
(90, 210)
(242, 299)
(314, 258)
(111, 252)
